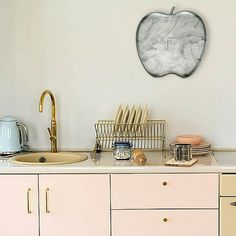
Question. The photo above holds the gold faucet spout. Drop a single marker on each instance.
(41, 101)
(53, 130)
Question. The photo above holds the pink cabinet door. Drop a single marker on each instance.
(74, 205)
(164, 223)
(133, 191)
(19, 205)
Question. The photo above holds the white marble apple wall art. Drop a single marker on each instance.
(171, 43)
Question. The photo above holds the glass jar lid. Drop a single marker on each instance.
(122, 144)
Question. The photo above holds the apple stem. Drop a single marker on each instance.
(172, 10)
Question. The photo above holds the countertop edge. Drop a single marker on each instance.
(122, 170)
(107, 165)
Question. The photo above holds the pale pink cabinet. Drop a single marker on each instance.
(164, 222)
(164, 204)
(79, 205)
(74, 205)
(135, 191)
(19, 205)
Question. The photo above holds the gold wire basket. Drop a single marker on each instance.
(150, 135)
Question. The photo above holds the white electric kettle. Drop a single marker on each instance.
(13, 135)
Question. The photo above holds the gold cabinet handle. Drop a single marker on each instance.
(29, 201)
(164, 183)
(233, 203)
(165, 219)
(47, 197)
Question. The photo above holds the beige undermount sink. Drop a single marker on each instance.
(48, 158)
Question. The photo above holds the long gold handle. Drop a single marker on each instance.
(47, 197)
(28, 201)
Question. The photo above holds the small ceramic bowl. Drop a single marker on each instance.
(189, 139)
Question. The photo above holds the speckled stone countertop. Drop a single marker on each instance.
(217, 162)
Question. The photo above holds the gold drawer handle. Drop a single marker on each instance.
(29, 201)
(47, 197)
(164, 183)
(233, 203)
(165, 219)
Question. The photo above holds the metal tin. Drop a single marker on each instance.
(183, 152)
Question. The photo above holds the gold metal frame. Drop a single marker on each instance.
(150, 135)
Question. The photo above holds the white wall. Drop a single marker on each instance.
(85, 52)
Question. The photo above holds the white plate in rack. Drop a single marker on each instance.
(125, 118)
(144, 115)
(131, 118)
(118, 118)
(144, 118)
(137, 119)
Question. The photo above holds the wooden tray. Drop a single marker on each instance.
(173, 162)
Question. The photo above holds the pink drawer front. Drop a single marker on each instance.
(164, 222)
(137, 191)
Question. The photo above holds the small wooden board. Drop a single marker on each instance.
(173, 162)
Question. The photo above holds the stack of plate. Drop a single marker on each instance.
(126, 119)
(197, 150)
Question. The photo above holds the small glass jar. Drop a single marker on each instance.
(122, 150)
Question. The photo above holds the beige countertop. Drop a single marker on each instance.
(218, 162)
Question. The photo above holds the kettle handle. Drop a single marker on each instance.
(23, 132)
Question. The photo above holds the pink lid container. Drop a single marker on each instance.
(189, 139)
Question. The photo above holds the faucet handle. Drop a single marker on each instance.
(49, 131)
(53, 138)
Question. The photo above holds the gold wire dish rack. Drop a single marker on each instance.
(150, 135)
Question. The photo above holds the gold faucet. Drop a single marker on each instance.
(53, 130)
